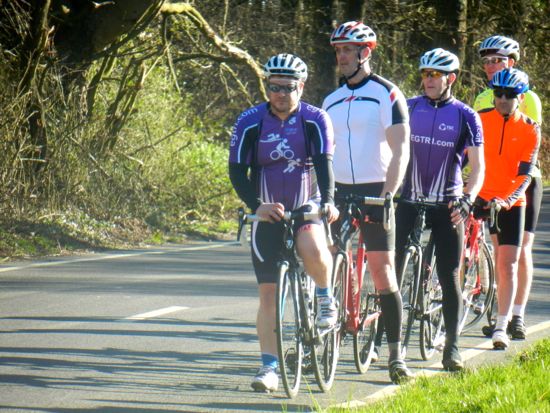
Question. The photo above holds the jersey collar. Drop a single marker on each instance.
(362, 83)
(439, 103)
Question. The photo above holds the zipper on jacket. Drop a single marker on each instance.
(349, 138)
(502, 135)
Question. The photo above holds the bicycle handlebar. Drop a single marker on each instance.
(288, 216)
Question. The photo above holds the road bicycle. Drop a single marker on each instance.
(477, 271)
(301, 346)
(420, 289)
(355, 292)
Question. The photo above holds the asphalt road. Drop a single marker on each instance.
(172, 329)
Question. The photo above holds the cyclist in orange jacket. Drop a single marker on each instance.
(512, 142)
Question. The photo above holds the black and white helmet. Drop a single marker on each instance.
(440, 60)
(354, 32)
(285, 64)
(501, 45)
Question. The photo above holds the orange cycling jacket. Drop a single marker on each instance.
(511, 147)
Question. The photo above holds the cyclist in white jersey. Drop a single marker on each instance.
(371, 133)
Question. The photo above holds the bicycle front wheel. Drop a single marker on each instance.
(289, 340)
(324, 356)
(478, 289)
(409, 286)
(432, 334)
(369, 312)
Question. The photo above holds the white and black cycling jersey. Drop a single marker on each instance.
(360, 115)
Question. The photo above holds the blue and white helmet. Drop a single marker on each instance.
(501, 45)
(510, 78)
(440, 60)
(285, 64)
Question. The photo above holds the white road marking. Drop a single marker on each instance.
(114, 256)
(156, 313)
(433, 369)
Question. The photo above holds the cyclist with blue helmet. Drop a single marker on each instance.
(512, 141)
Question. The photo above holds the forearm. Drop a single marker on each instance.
(477, 173)
(238, 174)
(398, 139)
(325, 177)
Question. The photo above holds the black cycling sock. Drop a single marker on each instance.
(452, 306)
(379, 331)
(391, 305)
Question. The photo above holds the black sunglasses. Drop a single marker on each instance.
(508, 93)
(291, 87)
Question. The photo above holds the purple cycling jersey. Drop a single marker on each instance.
(281, 156)
(440, 133)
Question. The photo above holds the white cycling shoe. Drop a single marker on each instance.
(327, 314)
(266, 380)
(501, 341)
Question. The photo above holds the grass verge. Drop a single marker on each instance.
(520, 386)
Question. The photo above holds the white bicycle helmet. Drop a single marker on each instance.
(510, 78)
(285, 64)
(354, 32)
(499, 45)
(440, 60)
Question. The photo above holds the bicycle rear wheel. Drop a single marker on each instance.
(289, 341)
(409, 286)
(478, 289)
(432, 333)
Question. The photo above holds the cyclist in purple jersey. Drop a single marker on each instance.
(442, 130)
(281, 159)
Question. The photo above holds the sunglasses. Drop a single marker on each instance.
(493, 60)
(508, 93)
(291, 87)
(431, 73)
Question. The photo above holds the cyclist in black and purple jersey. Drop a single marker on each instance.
(280, 160)
(443, 130)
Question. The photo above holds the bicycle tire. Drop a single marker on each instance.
(479, 287)
(409, 287)
(364, 337)
(289, 340)
(432, 333)
(325, 351)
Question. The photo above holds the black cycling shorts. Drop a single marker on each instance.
(267, 248)
(511, 223)
(375, 236)
(534, 200)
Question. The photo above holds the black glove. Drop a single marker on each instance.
(463, 205)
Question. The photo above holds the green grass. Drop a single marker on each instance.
(523, 385)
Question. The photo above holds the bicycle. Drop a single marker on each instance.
(300, 344)
(477, 271)
(355, 293)
(420, 289)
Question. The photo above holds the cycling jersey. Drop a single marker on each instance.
(511, 149)
(280, 152)
(361, 114)
(440, 132)
(531, 105)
